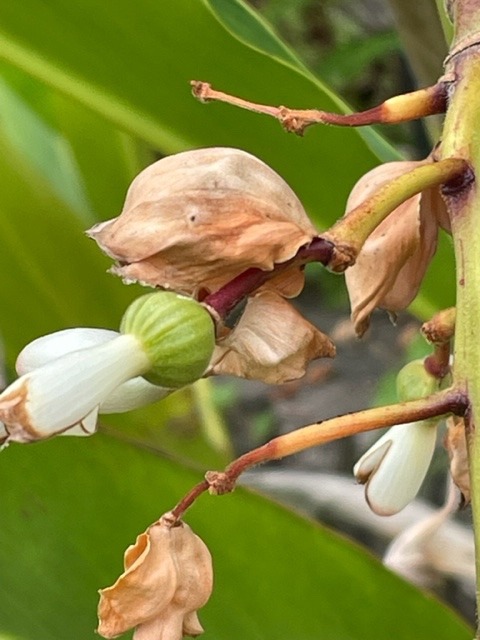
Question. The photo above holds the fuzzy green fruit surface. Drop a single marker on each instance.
(177, 334)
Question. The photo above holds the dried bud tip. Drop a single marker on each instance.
(200, 90)
(441, 328)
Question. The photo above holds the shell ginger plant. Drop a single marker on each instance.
(214, 229)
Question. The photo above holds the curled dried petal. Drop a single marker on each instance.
(197, 219)
(271, 342)
(456, 445)
(168, 576)
(393, 261)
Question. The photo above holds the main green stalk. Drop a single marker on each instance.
(461, 139)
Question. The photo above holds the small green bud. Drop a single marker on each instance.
(415, 382)
(177, 334)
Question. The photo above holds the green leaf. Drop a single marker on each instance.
(52, 274)
(47, 151)
(86, 160)
(250, 28)
(347, 61)
(135, 70)
(68, 514)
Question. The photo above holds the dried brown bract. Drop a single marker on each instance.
(195, 220)
(168, 576)
(271, 342)
(393, 261)
(456, 445)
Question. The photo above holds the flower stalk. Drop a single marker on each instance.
(232, 293)
(403, 108)
(352, 231)
(450, 401)
(461, 141)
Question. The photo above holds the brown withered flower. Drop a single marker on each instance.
(168, 576)
(392, 263)
(195, 220)
(271, 342)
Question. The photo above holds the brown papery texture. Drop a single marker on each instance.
(456, 445)
(271, 342)
(197, 219)
(392, 263)
(168, 576)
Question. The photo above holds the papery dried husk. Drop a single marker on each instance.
(197, 219)
(271, 342)
(434, 204)
(456, 445)
(392, 263)
(168, 576)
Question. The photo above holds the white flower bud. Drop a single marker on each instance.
(68, 377)
(394, 468)
(47, 348)
(62, 393)
(131, 394)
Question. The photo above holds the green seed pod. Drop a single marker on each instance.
(414, 382)
(177, 334)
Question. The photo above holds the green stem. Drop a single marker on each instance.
(352, 230)
(460, 139)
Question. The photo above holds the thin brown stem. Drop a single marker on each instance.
(177, 512)
(409, 106)
(220, 482)
(444, 402)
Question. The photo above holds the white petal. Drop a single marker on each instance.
(86, 427)
(60, 394)
(396, 466)
(371, 459)
(133, 394)
(54, 345)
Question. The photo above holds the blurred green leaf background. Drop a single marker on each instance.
(90, 93)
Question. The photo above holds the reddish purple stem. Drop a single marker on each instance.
(226, 299)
